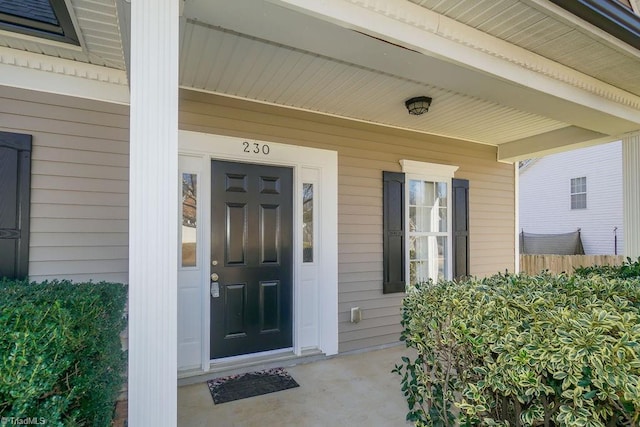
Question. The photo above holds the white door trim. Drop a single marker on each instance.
(315, 319)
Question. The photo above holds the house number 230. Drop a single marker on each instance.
(255, 148)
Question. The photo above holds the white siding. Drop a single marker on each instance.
(545, 196)
(79, 184)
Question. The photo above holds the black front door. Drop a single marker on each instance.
(251, 258)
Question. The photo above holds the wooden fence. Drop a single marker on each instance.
(534, 264)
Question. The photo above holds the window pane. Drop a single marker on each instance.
(442, 193)
(307, 222)
(427, 258)
(427, 206)
(579, 201)
(427, 219)
(189, 218)
(422, 193)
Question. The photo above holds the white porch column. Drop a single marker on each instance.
(631, 194)
(153, 196)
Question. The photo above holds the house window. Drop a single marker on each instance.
(579, 193)
(418, 240)
(428, 221)
(428, 230)
(48, 19)
(189, 230)
(307, 222)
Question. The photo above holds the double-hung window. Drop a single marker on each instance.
(428, 231)
(428, 221)
(425, 225)
(579, 193)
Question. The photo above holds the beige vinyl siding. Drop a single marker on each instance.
(80, 190)
(79, 184)
(364, 151)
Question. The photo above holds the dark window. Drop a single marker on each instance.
(40, 18)
(15, 173)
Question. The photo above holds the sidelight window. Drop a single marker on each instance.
(307, 222)
(189, 228)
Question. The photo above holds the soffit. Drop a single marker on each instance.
(225, 62)
(271, 52)
(349, 58)
(544, 29)
(98, 28)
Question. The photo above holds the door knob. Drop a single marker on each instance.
(214, 277)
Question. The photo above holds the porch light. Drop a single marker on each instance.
(418, 105)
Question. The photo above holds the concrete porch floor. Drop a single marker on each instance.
(349, 390)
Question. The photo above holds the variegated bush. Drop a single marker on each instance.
(523, 351)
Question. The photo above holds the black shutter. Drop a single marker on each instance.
(15, 177)
(460, 192)
(393, 233)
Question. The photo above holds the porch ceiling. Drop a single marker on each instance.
(523, 75)
(293, 54)
(246, 67)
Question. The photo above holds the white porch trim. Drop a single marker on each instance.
(631, 194)
(153, 191)
(49, 74)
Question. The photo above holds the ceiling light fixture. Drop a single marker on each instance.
(418, 105)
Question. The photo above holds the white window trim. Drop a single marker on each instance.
(433, 172)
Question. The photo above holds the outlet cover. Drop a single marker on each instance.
(356, 314)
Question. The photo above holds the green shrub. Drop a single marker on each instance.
(61, 357)
(628, 269)
(523, 351)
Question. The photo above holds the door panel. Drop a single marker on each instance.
(252, 255)
(236, 233)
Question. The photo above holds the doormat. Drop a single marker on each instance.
(237, 387)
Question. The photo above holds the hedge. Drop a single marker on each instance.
(628, 270)
(523, 351)
(61, 359)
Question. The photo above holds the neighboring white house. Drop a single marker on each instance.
(576, 189)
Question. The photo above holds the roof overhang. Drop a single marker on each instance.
(609, 16)
(477, 78)
(527, 77)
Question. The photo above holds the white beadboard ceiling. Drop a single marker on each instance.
(263, 50)
(247, 67)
